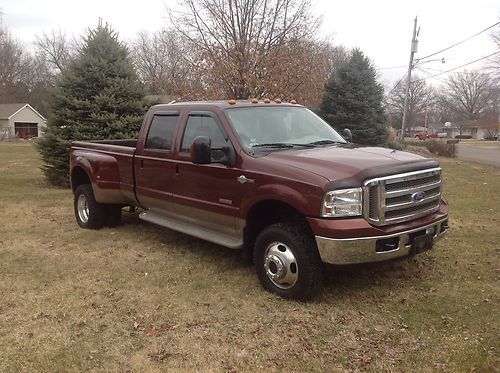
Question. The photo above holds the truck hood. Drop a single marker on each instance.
(348, 165)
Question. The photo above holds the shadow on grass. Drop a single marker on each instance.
(341, 280)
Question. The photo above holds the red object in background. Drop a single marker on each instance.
(426, 135)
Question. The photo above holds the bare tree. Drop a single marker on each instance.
(421, 100)
(56, 49)
(14, 67)
(494, 66)
(163, 62)
(470, 94)
(239, 45)
(335, 56)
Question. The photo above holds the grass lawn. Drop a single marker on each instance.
(144, 298)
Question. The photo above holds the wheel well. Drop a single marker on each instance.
(264, 214)
(79, 177)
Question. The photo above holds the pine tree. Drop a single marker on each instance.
(98, 97)
(353, 99)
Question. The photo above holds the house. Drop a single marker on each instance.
(486, 127)
(20, 121)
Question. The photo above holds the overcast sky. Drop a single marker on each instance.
(382, 29)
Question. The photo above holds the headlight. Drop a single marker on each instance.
(345, 202)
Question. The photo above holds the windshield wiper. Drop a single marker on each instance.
(282, 145)
(326, 142)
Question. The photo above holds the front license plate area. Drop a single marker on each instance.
(422, 243)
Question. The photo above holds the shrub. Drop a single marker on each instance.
(437, 147)
(420, 150)
(463, 136)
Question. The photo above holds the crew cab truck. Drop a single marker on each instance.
(270, 178)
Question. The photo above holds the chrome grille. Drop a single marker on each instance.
(390, 199)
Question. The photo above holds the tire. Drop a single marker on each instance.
(114, 217)
(287, 261)
(89, 213)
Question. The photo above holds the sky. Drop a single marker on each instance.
(382, 29)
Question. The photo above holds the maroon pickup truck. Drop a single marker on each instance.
(270, 178)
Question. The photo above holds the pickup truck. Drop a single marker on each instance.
(270, 178)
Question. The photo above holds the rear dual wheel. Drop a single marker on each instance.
(91, 214)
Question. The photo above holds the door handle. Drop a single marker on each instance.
(142, 164)
(177, 169)
(242, 179)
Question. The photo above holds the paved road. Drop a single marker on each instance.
(487, 152)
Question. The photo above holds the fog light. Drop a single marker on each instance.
(444, 226)
(405, 238)
(387, 244)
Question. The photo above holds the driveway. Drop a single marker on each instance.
(487, 152)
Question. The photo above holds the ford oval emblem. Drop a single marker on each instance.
(418, 196)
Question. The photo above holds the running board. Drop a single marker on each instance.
(230, 241)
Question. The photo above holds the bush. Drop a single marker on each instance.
(420, 150)
(463, 136)
(437, 147)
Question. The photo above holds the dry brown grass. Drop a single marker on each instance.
(144, 298)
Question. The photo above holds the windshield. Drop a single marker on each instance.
(280, 128)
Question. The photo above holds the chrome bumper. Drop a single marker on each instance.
(379, 248)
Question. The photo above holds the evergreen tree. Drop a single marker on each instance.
(98, 97)
(353, 99)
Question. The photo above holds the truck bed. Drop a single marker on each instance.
(122, 146)
(111, 168)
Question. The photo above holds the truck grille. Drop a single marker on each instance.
(398, 198)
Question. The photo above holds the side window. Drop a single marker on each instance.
(202, 125)
(161, 132)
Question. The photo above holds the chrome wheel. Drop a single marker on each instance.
(83, 208)
(281, 265)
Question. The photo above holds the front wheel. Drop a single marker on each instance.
(89, 213)
(287, 261)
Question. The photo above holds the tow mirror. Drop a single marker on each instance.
(201, 150)
(347, 134)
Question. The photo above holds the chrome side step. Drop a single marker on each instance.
(189, 228)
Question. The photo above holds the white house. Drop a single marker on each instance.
(21, 121)
(486, 127)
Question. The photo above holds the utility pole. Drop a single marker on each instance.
(414, 45)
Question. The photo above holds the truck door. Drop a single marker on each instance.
(208, 194)
(153, 163)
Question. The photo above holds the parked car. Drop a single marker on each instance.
(425, 135)
(272, 179)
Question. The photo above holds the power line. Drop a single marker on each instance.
(458, 67)
(395, 85)
(393, 67)
(432, 69)
(429, 74)
(460, 42)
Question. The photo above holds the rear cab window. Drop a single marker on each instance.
(161, 132)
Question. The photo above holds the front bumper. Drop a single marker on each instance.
(379, 248)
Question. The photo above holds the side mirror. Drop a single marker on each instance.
(201, 149)
(347, 134)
